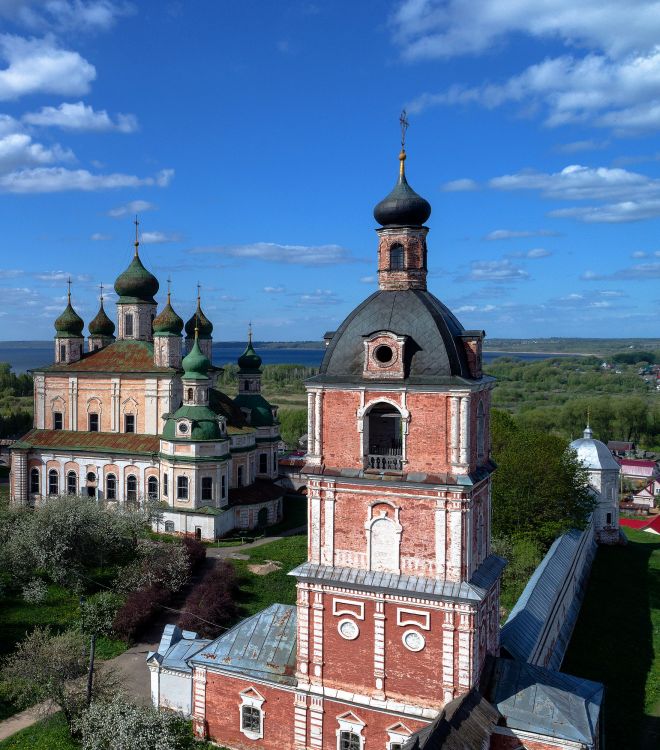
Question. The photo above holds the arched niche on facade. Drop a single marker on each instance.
(383, 532)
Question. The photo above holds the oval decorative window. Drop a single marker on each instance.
(384, 354)
(348, 630)
(413, 640)
(183, 428)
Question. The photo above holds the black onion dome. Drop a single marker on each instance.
(402, 207)
(249, 361)
(434, 349)
(167, 321)
(101, 325)
(136, 284)
(203, 324)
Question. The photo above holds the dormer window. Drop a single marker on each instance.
(384, 356)
(183, 428)
(396, 258)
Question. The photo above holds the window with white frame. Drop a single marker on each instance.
(252, 714)
(397, 735)
(53, 482)
(349, 734)
(182, 488)
(111, 487)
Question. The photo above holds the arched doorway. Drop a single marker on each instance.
(262, 518)
(385, 438)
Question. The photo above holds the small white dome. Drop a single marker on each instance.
(593, 454)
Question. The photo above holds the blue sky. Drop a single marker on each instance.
(254, 139)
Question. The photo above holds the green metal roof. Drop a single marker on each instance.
(136, 284)
(261, 412)
(205, 425)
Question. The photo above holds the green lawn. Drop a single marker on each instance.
(50, 734)
(617, 639)
(258, 592)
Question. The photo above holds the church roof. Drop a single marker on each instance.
(261, 647)
(593, 454)
(69, 324)
(260, 491)
(126, 355)
(539, 700)
(204, 423)
(261, 412)
(101, 325)
(176, 647)
(403, 206)
(136, 284)
(167, 322)
(199, 320)
(196, 364)
(96, 442)
(524, 634)
(434, 351)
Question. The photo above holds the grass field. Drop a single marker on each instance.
(617, 640)
(258, 592)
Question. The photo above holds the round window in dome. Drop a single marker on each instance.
(384, 354)
(183, 428)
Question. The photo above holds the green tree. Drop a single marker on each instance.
(540, 488)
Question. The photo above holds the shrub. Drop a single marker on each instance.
(211, 606)
(159, 564)
(196, 552)
(139, 607)
(35, 591)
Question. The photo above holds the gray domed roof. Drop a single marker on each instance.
(434, 350)
(403, 206)
(593, 454)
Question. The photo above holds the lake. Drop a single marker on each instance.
(24, 355)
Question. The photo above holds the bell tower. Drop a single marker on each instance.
(398, 602)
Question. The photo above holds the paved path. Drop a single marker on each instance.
(130, 666)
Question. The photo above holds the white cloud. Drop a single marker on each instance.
(460, 186)
(445, 28)
(81, 117)
(538, 252)
(18, 150)
(496, 270)
(100, 237)
(132, 208)
(305, 255)
(54, 277)
(59, 179)
(64, 15)
(577, 146)
(475, 308)
(10, 273)
(274, 289)
(368, 279)
(40, 66)
(637, 272)
(509, 234)
(159, 238)
(319, 297)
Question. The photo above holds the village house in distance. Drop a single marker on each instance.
(394, 642)
(131, 419)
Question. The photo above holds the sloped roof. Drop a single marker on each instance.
(262, 646)
(176, 647)
(434, 588)
(97, 442)
(525, 627)
(464, 724)
(550, 703)
(127, 356)
(593, 454)
(260, 491)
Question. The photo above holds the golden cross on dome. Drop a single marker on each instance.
(403, 121)
(137, 241)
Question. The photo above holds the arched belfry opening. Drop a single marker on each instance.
(384, 437)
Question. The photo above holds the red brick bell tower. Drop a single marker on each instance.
(398, 601)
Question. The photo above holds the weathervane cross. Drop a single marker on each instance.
(403, 121)
(101, 288)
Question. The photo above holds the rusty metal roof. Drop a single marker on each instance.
(262, 647)
(96, 442)
(127, 356)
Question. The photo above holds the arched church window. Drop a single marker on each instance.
(190, 394)
(34, 481)
(128, 324)
(396, 258)
(182, 488)
(131, 488)
(71, 483)
(111, 487)
(53, 482)
(152, 488)
(481, 431)
(62, 352)
(385, 437)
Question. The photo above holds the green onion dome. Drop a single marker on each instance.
(249, 361)
(69, 324)
(136, 284)
(196, 364)
(101, 325)
(199, 321)
(167, 322)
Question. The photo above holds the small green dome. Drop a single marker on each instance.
(249, 361)
(167, 322)
(101, 325)
(136, 284)
(69, 324)
(261, 412)
(204, 424)
(199, 320)
(195, 364)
